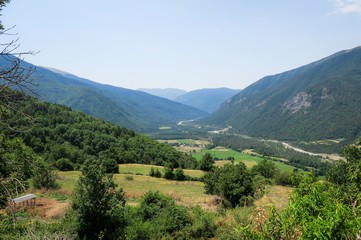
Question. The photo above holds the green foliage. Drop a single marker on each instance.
(110, 166)
(64, 164)
(179, 175)
(272, 107)
(317, 208)
(265, 168)
(158, 217)
(66, 138)
(206, 163)
(98, 203)
(283, 178)
(44, 176)
(232, 182)
(154, 172)
(274, 149)
(16, 165)
(129, 108)
(168, 172)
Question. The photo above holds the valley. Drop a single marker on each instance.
(81, 159)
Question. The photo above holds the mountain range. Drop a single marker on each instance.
(320, 100)
(169, 93)
(206, 99)
(133, 109)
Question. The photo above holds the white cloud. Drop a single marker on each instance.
(347, 6)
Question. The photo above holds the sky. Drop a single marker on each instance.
(186, 44)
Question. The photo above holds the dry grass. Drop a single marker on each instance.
(185, 192)
(133, 168)
(276, 196)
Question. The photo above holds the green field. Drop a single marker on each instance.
(248, 160)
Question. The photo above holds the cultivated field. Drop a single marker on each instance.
(247, 159)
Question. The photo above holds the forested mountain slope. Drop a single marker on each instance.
(320, 100)
(67, 138)
(129, 108)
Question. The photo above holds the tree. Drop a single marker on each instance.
(206, 163)
(16, 161)
(179, 174)
(265, 168)
(99, 205)
(168, 171)
(232, 182)
(14, 170)
(44, 176)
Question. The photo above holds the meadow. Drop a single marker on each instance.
(249, 160)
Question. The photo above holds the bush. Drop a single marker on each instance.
(154, 172)
(179, 175)
(168, 172)
(64, 164)
(44, 176)
(110, 166)
(283, 178)
(128, 178)
(231, 182)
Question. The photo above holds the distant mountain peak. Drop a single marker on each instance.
(169, 93)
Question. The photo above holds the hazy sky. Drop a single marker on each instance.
(187, 44)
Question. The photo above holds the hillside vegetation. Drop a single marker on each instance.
(135, 110)
(314, 102)
(67, 138)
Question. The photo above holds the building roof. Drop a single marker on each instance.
(24, 198)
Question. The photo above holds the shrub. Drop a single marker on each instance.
(231, 182)
(179, 175)
(64, 164)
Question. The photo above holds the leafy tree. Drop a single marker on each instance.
(206, 163)
(64, 164)
(159, 217)
(16, 162)
(179, 174)
(44, 176)
(232, 182)
(110, 166)
(168, 172)
(265, 168)
(98, 203)
(154, 172)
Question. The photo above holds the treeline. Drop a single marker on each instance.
(327, 147)
(67, 138)
(273, 149)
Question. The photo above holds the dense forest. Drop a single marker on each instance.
(67, 138)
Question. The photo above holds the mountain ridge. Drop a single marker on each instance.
(309, 102)
(133, 109)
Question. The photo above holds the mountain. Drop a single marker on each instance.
(320, 100)
(208, 99)
(136, 110)
(169, 93)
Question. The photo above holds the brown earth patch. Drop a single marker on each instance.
(49, 208)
